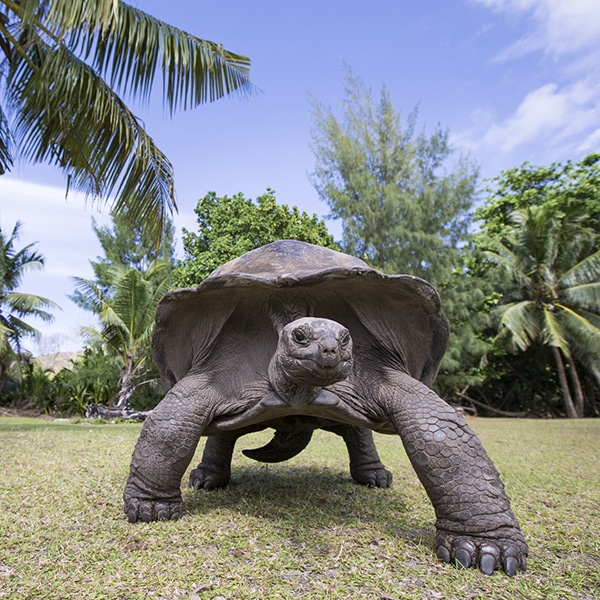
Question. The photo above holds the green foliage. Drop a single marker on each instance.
(405, 207)
(402, 208)
(127, 318)
(566, 188)
(92, 377)
(229, 227)
(130, 279)
(127, 245)
(549, 281)
(63, 64)
(16, 306)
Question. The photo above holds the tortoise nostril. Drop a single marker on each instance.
(329, 347)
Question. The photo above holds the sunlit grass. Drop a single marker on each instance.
(300, 529)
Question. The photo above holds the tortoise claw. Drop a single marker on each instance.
(487, 564)
(511, 566)
(507, 553)
(151, 510)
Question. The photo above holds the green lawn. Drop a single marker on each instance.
(301, 529)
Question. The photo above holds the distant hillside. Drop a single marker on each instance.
(57, 360)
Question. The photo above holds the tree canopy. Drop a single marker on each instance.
(404, 201)
(404, 206)
(566, 187)
(230, 226)
(65, 66)
(126, 245)
(127, 319)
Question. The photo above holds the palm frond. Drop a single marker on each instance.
(585, 296)
(583, 333)
(585, 271)
(553, 333)
(130, 298)
(593, 318)
(30, 305)
(61, 57)
(6, 158)
(97, 141)
(90, 291)
(520, 324)
(130, 47)
(20, 329)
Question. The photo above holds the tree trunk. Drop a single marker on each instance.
(3, 377)
(564, 384)
(126, 384)
(596, 373)
(577, 389)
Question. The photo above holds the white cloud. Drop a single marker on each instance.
(61, 231)
(560, 27)
(559, 117)
(591, 143)
(548, 113)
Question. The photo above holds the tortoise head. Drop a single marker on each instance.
(311, 353)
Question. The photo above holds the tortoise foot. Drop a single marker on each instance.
(373, 477)
(204, 478)
(497, 550)
(144, 510)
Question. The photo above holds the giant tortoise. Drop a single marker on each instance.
(295, 337)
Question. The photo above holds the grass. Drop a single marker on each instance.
(301, 529)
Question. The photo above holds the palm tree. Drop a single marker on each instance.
(16, 306)
(553, 292)
(127, 317)
(63, 64)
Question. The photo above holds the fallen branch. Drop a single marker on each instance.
(497, 411)
(99, 411)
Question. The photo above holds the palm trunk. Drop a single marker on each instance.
(126, 384)
(564, 384)
(3, 374)
(577, 389)
(595, 371)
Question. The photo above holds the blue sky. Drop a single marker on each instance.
(512, 80)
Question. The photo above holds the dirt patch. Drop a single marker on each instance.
(26, 410)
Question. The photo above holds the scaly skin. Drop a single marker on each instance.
(366, 467)
(164, 450)
(475, 525)
(214, 471)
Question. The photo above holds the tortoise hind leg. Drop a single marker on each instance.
(214, 470)
(366, 467)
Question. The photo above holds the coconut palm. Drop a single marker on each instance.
(16, 306)
(63, 64)
(126, 314)
(552, 293)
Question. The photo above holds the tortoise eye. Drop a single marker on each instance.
(345, 341)
(300, 337)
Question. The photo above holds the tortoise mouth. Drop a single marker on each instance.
(319, 372)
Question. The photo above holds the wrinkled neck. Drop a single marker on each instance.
(294, 393)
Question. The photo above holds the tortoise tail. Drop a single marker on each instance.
(283, 446)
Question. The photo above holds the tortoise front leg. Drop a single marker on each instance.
(164, 450)
(475, 525)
